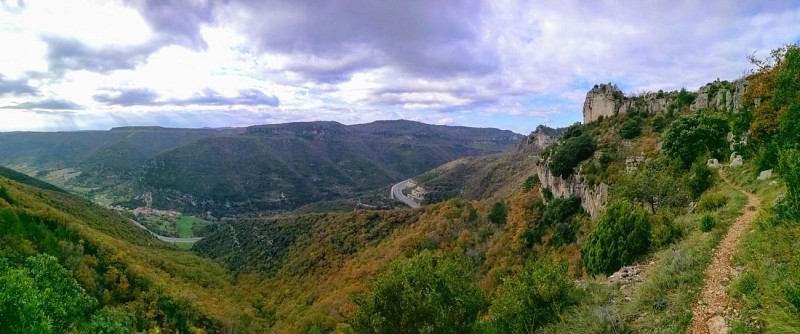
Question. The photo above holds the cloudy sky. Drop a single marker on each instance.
(79, 64)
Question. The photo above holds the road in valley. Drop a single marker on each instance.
(397, 193)
(166, 239)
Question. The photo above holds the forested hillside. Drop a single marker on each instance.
(525, 255)
(603, 227)
(255, 170)
(67, 265)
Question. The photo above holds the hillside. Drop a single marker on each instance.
(261, 169)
(71, 266)
(609, 228)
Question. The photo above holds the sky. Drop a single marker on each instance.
(83, 64)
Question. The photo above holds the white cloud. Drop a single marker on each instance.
(505, 63)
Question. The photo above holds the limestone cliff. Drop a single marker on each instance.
(593, 199)
(602, 100)
(607, 100)
(540, 139)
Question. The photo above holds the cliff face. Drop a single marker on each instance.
(720, 95)
(602, 100)
(607, 100)
(593, 199)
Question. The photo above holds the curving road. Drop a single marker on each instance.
(397, 193)
(166, 239)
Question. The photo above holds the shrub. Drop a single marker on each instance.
(532, 298)
(4, 195)
(631, 128)
(570, 153)
(498, 213)
(711, 202)
(695, 135)
(706, 223)
(530, 182)
(789, 169)
(424, 294)
(700, 179)
(622, 234)
(663, 231)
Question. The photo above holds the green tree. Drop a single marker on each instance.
(653, 186)
(498, 213)
(700, 179)
(531, 181)
(569, 153)
(531, 298)
(66, 303)
(21, 304)
(695, 135)
(631, 128)
(110, 321)
(424, 294)
(622, 235)
(789, 169)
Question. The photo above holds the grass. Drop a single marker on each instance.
(770, 265)
(180, 226)
(185, 224)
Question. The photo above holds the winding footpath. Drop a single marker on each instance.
(714, 310)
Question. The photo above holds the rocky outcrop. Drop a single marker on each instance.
(602, 100)
(540, 139)
(720, 95)
(607, 100)
(593, 199)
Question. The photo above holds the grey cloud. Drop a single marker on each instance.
(426, 38)
(128, 97)
(16, 87)
(437, 39)
(70, 54)
(249, 97)
(178, 21)
(146, 97)
(48, 104)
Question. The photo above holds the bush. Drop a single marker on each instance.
(530, 182)
(532, 298)
(663, 231)
(695, 135)
(711, 202)
(622, 235)
(498, 213)
(700, 179)
(631, 128)
(424, 294)
(789, 169)
(706, 223)
(570, 153)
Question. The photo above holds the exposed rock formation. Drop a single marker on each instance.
(602, 100)
(607, 100)
(592, 198)
(540, 139)
(720, 95)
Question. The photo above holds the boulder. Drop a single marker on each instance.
(765, 174)
(713, 163)
(736, 160)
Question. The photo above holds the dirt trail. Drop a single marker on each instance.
(714, 310)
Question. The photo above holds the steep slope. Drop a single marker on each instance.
(104, 271)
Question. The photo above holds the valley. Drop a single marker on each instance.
(656, 214)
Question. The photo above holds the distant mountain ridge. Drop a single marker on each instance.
(262, 168)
